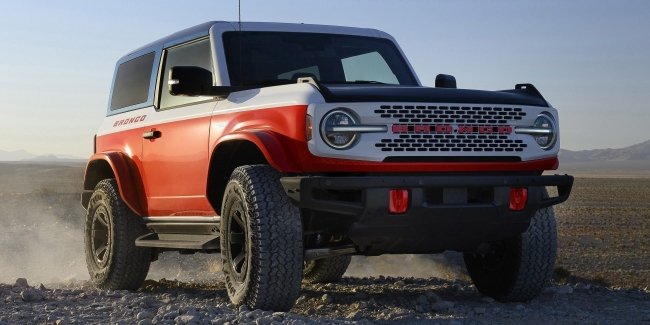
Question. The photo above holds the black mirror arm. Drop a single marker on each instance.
(213, 91)
(222, 91)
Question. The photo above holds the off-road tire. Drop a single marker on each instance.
(521, 267)
(111, 223)
(326, 270)
(259, 221)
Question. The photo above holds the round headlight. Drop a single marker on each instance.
(334, 138)
(545, 140)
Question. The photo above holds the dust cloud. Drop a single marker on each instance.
(201, 268)
(42, 240)
(39, 240)
(448, 266)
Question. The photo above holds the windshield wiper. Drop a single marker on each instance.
(372, 82)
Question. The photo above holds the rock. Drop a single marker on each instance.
(520, 307)
(563, 289)
(31, 295)
(422, 300)
(488, 300)
(442, 305)
(479, 310)
(21, 282)
(61, 321)
(42, 287)
(264, 321)
(187, 319)
(257, 313)
(326, 298)
(172, 314)
(277, 316)
(353, 314)
(243, 309)
(143, 315)
(432, 296)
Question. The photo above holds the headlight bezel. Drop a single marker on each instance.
(540, 121)
(354, 136)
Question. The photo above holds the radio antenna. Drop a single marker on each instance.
(241, 55)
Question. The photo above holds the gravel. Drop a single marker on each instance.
(352, 301)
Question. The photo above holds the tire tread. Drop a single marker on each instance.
(129, 264)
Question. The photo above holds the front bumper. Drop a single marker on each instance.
(444, 212)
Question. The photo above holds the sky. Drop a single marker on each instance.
(590, 59)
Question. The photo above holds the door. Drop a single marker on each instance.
(175, 143)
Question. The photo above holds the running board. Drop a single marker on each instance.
(179, 241)
(320, 253)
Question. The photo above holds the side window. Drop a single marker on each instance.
(369, 66)
(132, 82)
(195, 54)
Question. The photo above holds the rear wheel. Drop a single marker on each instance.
(326, 270)
(517, 269)
(261, 240)
(113, 260)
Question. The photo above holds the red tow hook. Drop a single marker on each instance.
(399, 201)
(518, 198)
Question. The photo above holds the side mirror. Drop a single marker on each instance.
(189, 81)
(445, 81)
(194, 81)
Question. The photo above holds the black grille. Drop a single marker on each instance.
(418, 128)
(451, 114)
(451, 143)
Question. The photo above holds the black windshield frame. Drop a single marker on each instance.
(260, 58)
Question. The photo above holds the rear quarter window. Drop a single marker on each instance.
(132, 81)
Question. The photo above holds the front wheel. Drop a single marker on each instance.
(261, 240)
(517, 269)
(113, 260)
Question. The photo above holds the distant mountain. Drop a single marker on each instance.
(637, 152)
(54, 158)
(22, 155)
(16, 155)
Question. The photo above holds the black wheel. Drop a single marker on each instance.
(113, 260)
(261, 240)
(326, 270)
(517, 269)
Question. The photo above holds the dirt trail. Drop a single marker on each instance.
(354, 300)
(602, 276)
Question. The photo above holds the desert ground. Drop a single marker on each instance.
(602, 269)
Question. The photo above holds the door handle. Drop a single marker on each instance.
(153, 134)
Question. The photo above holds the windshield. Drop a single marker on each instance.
(268, 58)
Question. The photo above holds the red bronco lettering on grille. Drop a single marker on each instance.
(448, 129)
